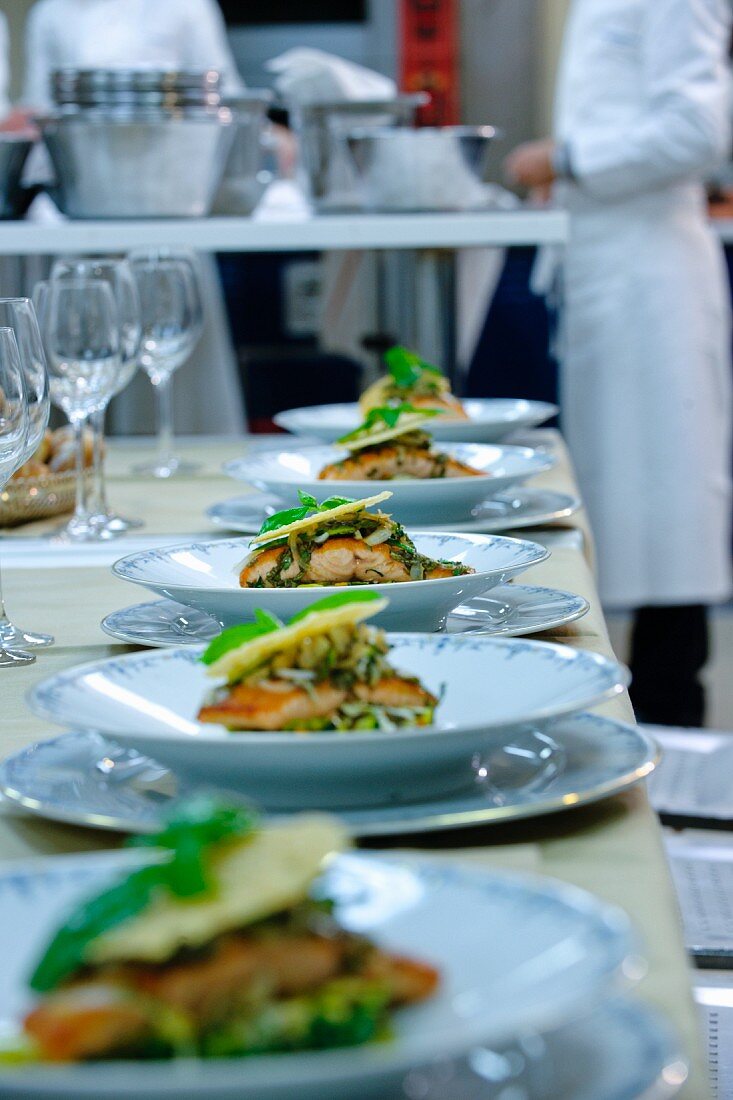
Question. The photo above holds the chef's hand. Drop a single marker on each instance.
(530, 164)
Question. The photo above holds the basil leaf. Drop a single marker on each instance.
(235, 636)
(188, 836)
(310, 502)
(387, 415)
(407, 366)
(334, 502)
(282, 519)
(341, 599)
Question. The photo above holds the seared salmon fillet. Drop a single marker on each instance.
(117, 1008)
(340, 560)
(272, 705)
(451, 406)
(394, 460)
(277, 704)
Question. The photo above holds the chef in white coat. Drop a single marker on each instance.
(642, 114)
(168, 34)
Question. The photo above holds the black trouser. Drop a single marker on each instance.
(669, 649)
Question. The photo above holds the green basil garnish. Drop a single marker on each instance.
(264, 623)
(407, 367)
(188, 835)
(388, 415)
(329, 603)
(293, 515)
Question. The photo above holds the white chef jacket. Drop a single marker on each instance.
(646, 379)
(178, 34)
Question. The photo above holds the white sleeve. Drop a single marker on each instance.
(4, 66)
(39, 58)
(207, 45)
(683, 130)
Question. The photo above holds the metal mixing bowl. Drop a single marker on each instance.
(142, 164)
(13, 153)
(431, 168)
(245, 176)
(327, 169)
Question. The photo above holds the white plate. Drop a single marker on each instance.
(83, 779)
(204, 575)
(490, 420)
(426, 501)
(531, 953)
(621, 1051)
(149, 700)
(510, 611)
(506, 512)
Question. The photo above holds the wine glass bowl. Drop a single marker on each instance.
(171, 314)
(82, 337)
(15, 431)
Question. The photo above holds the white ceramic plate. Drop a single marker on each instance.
(490, 420)
(84, 779)
(621, 1051)
(204, 575)
(150, 700)
(531, 953)
(509, 611)
(508, 511)
(427, 501)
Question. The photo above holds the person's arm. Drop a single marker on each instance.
(207, 45)
(685, 127)
(39, 59)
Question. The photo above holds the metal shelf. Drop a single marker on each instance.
(316, 233)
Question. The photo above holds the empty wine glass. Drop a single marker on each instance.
(14, 423)
(82, 336)
(118, 273)
(19, 316)
(171, 313)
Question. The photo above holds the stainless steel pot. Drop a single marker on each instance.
(245, 175)
(430, 168)
(13, 153)
(138, 164)
(327, 170)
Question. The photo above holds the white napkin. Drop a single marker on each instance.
(305, 75)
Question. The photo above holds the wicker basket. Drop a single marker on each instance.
(25, 499)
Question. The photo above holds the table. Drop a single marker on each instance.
(613, 849)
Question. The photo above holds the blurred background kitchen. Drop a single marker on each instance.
(281, 329)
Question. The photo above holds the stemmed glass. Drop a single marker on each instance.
(172, 318)
(13, 441)
(118, 273)
(18, 315)
(82, 336)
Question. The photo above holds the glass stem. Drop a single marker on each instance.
(4, 620)
(99, 493)
(164, 394)
(81, 510)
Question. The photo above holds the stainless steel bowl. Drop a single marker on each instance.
(140, 164)
(431, 168)
(327, 169)
(13, 153)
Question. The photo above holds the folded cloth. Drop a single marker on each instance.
(305, 75)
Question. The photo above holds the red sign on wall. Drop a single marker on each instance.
(429, 57)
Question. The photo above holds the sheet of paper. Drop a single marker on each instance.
(714, 995)
(702, 870)
(695, 775)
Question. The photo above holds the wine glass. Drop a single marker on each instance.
(118, 273)
(172, 319)
(82, 336)
(19, 315)
(14, 431)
